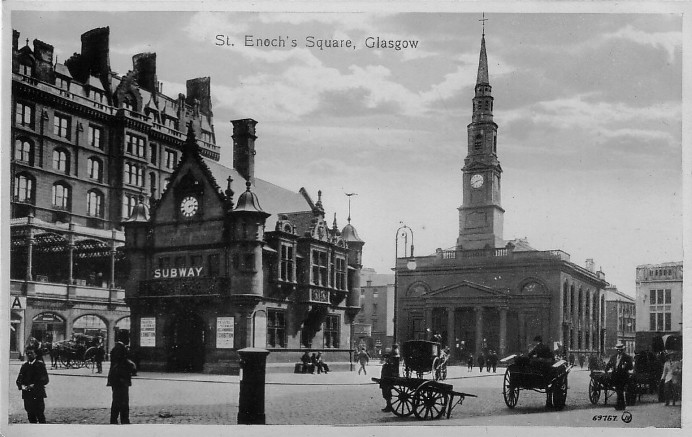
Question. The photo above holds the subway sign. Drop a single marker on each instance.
(178, 272)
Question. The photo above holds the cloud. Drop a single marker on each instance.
(671, 42)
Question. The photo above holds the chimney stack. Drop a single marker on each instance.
(590, 265)
(244, 147)
(144, 66)
(200, 89)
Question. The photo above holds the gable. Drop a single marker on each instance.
(466, 290)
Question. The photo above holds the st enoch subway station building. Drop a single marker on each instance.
(213, 270)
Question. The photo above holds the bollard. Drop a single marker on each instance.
(253, 362)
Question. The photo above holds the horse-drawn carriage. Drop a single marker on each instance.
(421, 357)
(538, 375)
(426, 399)
(602, 382)
(77, 352)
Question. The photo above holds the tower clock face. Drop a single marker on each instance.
(477, 181)
(189, 206)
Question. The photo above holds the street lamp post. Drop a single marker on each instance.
(403, 232)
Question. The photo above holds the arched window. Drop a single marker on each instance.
(24, 185)
(129, 203)
(24, 150)
(61, 195)
(95, 203)
(478, 142)
(94, 168)
(61, 160)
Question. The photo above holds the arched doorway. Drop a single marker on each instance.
(187, 343)
(48, 327)
(91, 326)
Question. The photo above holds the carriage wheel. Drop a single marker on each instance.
(402, 400)
(559, 392)
(510, 393)
(436, 369)
(594, 391)
(65, 360)
(429, 404)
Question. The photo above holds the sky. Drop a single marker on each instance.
(588, 106)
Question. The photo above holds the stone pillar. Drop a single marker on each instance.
(479, 329)
(29, 257)
(522, 331)
(451, 338)
(503, 331)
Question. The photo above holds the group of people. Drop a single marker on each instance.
(33, 378)
(487, 360)
(312, 363)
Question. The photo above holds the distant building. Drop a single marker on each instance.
(620, 320)
(86, 142)
(374, 326)
(659, 301)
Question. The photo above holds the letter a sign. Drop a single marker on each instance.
(19, 303)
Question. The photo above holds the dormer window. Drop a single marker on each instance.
(62, 83)
(26, 69)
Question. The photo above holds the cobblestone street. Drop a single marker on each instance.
(339, 398)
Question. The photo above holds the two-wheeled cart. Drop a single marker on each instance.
(424, 398)
(540, 376)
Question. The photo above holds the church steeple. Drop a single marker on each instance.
(482, 77)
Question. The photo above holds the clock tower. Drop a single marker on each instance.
(480, 215)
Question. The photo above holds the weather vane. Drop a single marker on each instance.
(349, 204)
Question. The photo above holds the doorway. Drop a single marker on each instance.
(187, 345)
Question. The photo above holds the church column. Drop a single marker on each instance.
(451, 337)
(479, 329)
(522, 331)
(503, 330)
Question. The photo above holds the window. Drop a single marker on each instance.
(341, 274)
(134, 145)
(286, 273)
(152, 153)
(319, 268)
(206, 136)
(213, 263)
(276, 328)
(97, 96)
(127, 104)
(26, 69)
(331, 332)
(133, 174)
(660, 310)
(23, 188)
(60, 160)
(478, 143)
(24, 151)
(170, 123)
(61, 196)
(61, 126)
(95, 136)
(171, 159)
(62, 83)
(94, 169)
(24, 115)
(129, 202)
(95, 203)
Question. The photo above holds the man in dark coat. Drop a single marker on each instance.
(620, 364)
(390, 368)
(32, 380)
(120, 380)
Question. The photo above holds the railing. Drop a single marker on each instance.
(501, 253)
(63, 93)
(53, 289)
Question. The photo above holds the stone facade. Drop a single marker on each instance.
(620, 321)
(658, 301)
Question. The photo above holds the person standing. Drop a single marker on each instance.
(481, 361)
(469, 361)
(99, 355)
(620, 364)
(671, 378)
(363, 359)
(390, 368)
(32, 380)
(120, 380)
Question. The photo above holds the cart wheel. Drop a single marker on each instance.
(559, 391)
(436, 369)
(594, 391)
(429, 404)
(510, 393)
(402, 400)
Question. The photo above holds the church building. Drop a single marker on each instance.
(213, 270)
(487, 293)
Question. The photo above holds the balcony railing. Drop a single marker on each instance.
(63, 93)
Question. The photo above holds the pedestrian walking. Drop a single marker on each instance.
(620, 364)
(492, 361)
(481, 362)
(671, 378)
(98, 357)
(32, 380)
(363, 359)
(582, 358)
(120, 380)
(469, 361)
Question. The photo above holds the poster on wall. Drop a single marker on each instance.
(224, 332)
(147, 332)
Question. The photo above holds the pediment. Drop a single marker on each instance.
(466, 290)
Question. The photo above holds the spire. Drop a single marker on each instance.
(482, 65)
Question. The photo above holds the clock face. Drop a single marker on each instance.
(189, 206)
(477, 180)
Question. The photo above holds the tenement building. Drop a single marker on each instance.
(487, 293)
(620, 321)
(86, 143)
(659, 302)
(213, 270)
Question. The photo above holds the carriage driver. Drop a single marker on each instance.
(620, 364)
(541, 351)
